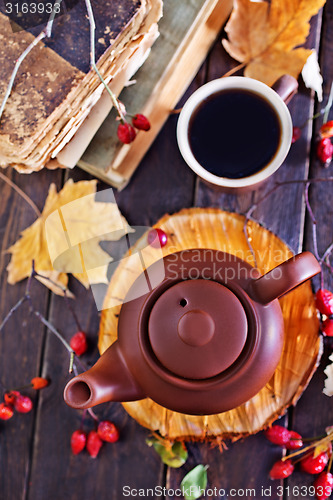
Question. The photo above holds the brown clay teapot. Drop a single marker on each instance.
(204, 341)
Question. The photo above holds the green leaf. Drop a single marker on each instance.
(194, 483)
(172, 455)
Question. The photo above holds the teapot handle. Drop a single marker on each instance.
(284, 277)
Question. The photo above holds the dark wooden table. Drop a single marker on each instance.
(36, 461)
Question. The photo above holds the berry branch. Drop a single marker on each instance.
(126, 132)
(315, 458)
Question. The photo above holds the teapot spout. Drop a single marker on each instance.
(108, 380)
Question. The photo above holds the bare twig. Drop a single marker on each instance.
(51, 328)
(55, 332)
(324, 260)
(277, 184)
(93, 414)
(328, 105)
(21, 193)
(71, 362)
(328, 265)
(27, 298)
(46, 278)
(12, 310)
(93, 59)
(327, 252)
(235, 69)
(324, 111)
(55, 11)
(75, 317)
(248, 242)
(248, 215)
(66, 298)
(314, 230)
(313, 220)
(18, 63)
(307, 202)
(46, 32)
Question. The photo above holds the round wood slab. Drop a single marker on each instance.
(213, 228)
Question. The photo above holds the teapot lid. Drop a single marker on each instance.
(197, 328)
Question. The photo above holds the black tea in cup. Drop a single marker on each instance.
(234, 133)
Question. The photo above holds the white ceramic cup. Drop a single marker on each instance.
(286, 87)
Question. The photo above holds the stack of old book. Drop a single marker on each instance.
(56, 91)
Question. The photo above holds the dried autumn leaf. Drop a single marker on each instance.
(311, 75)
(321, 448)
(328, 389)
(172, 454)
(70, 229)
(263, 36)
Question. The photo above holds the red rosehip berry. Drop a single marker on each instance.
(141, 122)
(107, 431)
(39, 383)
(295, 441)
(6, 411)
(326, 130)
(323, 485)
(325, 150)
(314, 465)
(126, 133)
(278, 435)
(94, 444)
(79, 343)
(23, 404)
(78, 441)
(327, 327)
(297, 132)
(281, 469)
(324, 301)
(10, 397)
(157, 238)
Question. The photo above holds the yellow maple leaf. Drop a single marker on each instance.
(263, 36)
(66, 237)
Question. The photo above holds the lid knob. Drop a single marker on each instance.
(196, 328)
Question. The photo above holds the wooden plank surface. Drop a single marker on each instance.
(22, 340)
(314, 412)
(35, 458)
